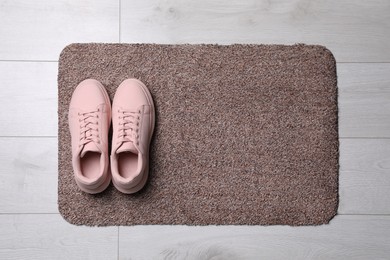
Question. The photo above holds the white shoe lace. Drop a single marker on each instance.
(128, 126)
(89, 127)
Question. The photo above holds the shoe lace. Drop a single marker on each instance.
(128, 126)
(89, 127)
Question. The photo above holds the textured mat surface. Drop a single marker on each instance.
(245, 134)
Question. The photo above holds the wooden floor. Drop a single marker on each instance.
(33, 33)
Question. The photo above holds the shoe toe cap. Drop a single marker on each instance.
(88, 95)
(131, 95)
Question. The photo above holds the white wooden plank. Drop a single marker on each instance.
(346, 237)
(39, 30)
(364, 100)
(352, 30)
(28, 175)
(28, 94)
(365, 176)
(51, 237)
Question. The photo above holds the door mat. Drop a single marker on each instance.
(245, 134)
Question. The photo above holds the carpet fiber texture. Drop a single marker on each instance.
(245, 134)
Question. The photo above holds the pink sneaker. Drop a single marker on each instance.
(133, 125)
(89, 121)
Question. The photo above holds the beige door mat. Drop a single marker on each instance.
(245, 134)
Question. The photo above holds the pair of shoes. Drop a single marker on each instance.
(89, 123)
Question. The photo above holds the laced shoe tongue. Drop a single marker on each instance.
(89, 147)
(127, 147)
